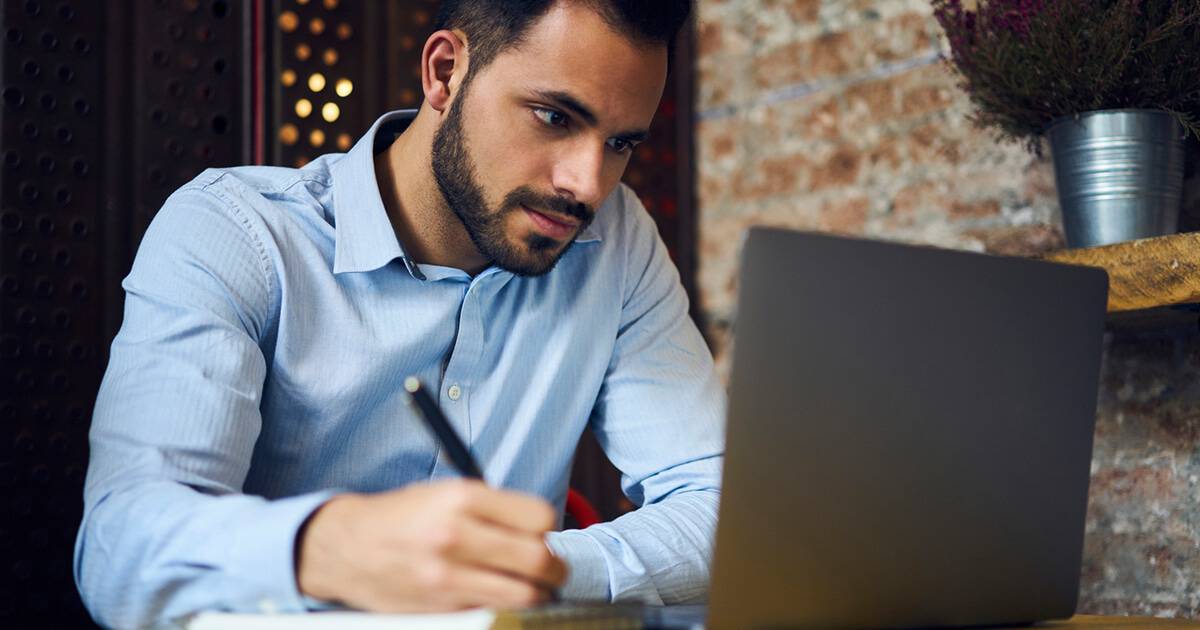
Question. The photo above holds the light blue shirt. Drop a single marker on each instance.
(271, 317)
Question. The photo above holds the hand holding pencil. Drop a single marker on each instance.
(446, 545)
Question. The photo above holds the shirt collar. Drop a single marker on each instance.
(364, 238)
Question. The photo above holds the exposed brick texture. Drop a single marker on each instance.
(840, 116)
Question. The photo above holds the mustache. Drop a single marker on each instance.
(525, 196)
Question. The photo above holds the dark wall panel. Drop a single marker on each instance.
(50, 323)
(108, 107)
(190, 86)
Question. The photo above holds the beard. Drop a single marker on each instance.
(455, 173)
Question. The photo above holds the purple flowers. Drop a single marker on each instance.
(1027, 62)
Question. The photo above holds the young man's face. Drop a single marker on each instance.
(542, 135)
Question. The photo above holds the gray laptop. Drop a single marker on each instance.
(909, 438)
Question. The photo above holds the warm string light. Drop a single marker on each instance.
(330, 112)
(316, 82)
(288, 21)
(289, 133)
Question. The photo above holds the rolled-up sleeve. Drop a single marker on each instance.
(660, 419)
(166, 530)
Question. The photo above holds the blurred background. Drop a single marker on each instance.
(830, 115)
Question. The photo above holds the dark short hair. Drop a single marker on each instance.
(492, 26)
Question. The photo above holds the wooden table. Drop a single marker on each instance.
(1094, 622)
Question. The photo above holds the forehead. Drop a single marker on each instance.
(573, 49)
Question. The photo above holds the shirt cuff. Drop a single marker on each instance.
(266, 553)
(587, 568)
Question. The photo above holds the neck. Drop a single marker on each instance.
(426, 227)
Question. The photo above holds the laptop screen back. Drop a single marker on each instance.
(909, 436)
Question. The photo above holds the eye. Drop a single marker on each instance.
(550, 117)
(620, 145)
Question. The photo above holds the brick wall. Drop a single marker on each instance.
(839, 115)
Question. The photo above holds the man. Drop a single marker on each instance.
(252, 448)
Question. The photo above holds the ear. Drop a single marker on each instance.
(443, 66)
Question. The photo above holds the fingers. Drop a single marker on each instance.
(497, 548)
(443, 585)
(510, 509)
(473, 586)
(447, 545)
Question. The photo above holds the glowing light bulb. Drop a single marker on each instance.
(288, 21)
(330, 112)
(288, 134)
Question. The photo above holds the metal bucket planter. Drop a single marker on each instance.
(1119, 175)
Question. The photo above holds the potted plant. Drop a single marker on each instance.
(1114, 85)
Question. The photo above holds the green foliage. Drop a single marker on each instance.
(1025, 63)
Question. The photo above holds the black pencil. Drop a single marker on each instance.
(459, 455)
(455, 449)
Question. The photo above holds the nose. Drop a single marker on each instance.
(579, 173)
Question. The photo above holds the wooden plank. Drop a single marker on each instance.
(1146, 273)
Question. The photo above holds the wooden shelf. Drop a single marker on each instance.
(1149, 279)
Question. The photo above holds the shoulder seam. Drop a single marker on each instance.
(299, 180)
(303, 180)
(240, 215)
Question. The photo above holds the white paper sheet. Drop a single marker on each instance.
(468, 620)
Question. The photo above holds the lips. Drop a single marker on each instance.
(554, 226)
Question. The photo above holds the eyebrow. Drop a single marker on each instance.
(566, 101)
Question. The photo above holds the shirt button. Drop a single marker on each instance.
(455, 392)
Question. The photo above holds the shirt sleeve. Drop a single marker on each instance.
(166, 530)
(660, 419)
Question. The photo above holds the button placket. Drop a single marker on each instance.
(456, 379)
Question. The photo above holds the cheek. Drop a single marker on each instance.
(511, 154)
(614, 169)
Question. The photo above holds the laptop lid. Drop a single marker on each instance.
(909, 436)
